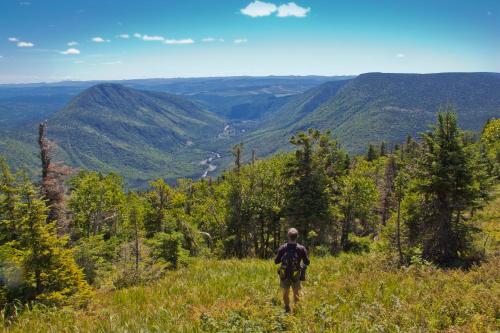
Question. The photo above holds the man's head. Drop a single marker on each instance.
(292, 234)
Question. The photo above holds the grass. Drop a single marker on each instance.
(349, 293)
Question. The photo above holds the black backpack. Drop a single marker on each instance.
(290, 265)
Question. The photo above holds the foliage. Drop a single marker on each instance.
(34, 262)
(97, 203)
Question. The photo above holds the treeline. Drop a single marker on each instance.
(71, 231)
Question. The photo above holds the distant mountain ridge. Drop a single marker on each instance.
(149, 134)
(377, 107)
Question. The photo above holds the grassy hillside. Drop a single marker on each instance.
(349, 293)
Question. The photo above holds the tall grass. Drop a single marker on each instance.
(349, 293)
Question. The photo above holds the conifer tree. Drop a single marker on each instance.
(236, 222)
(308, 200)
(159, 199)
(447, 187)
(49, 272)
(371, 154)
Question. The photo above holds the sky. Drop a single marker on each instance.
(54, 40)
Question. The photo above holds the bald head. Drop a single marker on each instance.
(292, 234)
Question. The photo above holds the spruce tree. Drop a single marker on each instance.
(308, 199)
(49, 272)
(371, 154)
(446, 183)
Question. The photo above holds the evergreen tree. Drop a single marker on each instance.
(159, 200)
(371, 154)
(49, 272)
(308, 199)
(447, 187)
(383, 149)
(237, 223)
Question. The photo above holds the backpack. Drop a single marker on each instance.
(290, 265)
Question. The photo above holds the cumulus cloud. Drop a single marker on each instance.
(13, 39)
(73, 43)
(152, 38)
(100, 40)
(240, 41)
(137, 35)
(178, 41)
(70, 51)
(124, 36)
(400, 55)
(25, 44)
(259, 8)
(292, 9)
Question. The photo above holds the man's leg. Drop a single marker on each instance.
(296, 292)
(286, 297)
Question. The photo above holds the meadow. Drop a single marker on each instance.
(348, 293)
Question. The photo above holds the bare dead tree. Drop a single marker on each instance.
(53, 177)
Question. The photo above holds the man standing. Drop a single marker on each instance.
(291, 271)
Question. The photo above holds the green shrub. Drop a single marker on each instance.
(168, 248)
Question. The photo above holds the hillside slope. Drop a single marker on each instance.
(349, 293)
(377, 107)
(140, 135)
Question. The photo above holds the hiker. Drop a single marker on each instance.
(291, 271)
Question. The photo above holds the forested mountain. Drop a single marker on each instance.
(135, 133)
(243, 97)
(147, 134)
(377, 107)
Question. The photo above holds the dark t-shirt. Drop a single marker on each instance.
(301, 250)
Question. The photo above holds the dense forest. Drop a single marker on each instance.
(75, 232)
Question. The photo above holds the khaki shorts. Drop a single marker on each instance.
(289, 283)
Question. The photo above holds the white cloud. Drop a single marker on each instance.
(73, 43)
(124, 36)
(178, 41)
(212, 39)
(400, 55)
(13, 39)
(240, 41)
(70, 51)
(78, 62)
(100, 40)
(152, 38)
(25, 44)
(292, 9)
(259, 8)
(137, 35)
(112, 63)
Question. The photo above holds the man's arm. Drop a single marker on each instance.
(279, 255)
(305, 259)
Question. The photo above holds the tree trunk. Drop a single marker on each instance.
(398, 233)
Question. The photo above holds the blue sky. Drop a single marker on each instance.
(116, 39)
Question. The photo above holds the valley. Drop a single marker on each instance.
(172, 128)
